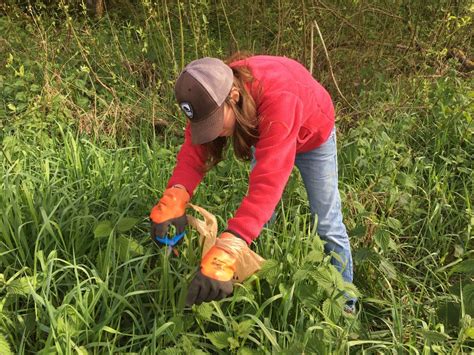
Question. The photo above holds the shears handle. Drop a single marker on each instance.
(170, 242)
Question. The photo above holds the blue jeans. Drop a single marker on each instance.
(318, 169)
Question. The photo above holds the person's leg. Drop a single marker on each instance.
(318, 170)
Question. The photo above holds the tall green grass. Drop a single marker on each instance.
(90, 132)
(80, 274)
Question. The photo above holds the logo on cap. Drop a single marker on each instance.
(187, 109)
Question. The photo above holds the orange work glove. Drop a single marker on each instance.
(229, 260)
(169, 210)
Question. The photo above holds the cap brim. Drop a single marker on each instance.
(209, 128)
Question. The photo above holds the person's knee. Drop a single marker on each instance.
(335, 237)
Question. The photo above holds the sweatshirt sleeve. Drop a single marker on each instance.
(275, 151)
(189, 169)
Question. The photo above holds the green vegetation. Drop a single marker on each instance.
(89, 132)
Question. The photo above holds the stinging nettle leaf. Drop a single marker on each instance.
(205, 311)
(219, 339)
(332, 310)
(5, 348)
(127, 247)
(314, 256)
(126, 223)
(243, 328)
(24, 285)
(300, 275)
(103, 229)
(466, 266)
(269, 270)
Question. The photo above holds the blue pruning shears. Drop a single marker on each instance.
(170, 242)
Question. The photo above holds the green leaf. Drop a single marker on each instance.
(233, 343)
(243, 328)
(394, 223)
(388, 269)
(351, 289)
(127, 247)
(247, 351)
(317, 244)
(103, 229)
(466, 266)
(300, 275)
(327, 277)
(309, 295)
(24, 285)
(5, 348)
(468, 297)
(432, 336)
(269, 271)
(219, 339)
(359, 231)
(382, 239)
(332, 310)
(205, 311)
(314, 256)
(126, 223)
(470, 332)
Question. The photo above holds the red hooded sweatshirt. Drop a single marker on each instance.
(296, 115)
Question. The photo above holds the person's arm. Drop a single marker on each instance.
(189, 169)
(171, 208)
(275, 153)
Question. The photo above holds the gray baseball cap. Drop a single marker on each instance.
(201, 90)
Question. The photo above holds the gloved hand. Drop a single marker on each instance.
(169, 210)
(229, 260)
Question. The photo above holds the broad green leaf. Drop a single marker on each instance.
(314, 256)
(470, 332)
(188, 346)
(205, 311)
(309, 295)
(327, 277)
(233, 343)
(24, 285)
(269, 270)
(465, 266)
(359, 231)
(127, 247)
(388, 269)
(432, 336)
(243, 328)
(382, 239)
(103, 229)
(300, 275)
(317, 244)
(5, 348)
(171, 351)
(247, 351)
(468, 297)
(351, 289)
(219, 339)
(126, 223)
(394, 223)
(332, 310)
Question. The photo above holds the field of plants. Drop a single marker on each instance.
(89, 132)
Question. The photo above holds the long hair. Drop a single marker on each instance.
(245, 133)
